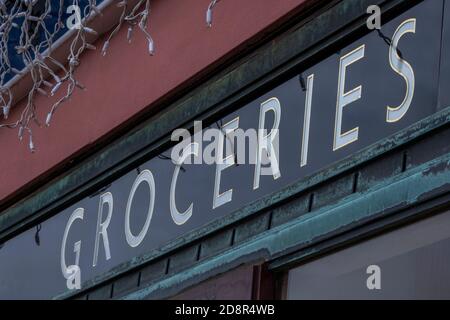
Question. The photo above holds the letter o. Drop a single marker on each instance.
(144, 176)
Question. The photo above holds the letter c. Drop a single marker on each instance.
(181, 217)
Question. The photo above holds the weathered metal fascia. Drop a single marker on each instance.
(290, 192)
(398, 193)
(221, 93)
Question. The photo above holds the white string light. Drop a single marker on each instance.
(209, 13)
(135, 17)
(29, 18)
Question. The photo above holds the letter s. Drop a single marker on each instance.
(404, 69)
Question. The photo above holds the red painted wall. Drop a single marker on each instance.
(128, 80)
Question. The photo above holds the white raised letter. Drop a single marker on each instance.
(345, 98)
(144, 176)
(102, 227)
(223, 163)
(72, 273)
(307, 120)
(404, 69)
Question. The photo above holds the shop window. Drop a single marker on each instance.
(412, 262)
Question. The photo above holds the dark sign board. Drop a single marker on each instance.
(355, 97)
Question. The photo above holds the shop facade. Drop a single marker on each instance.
(344, 195)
